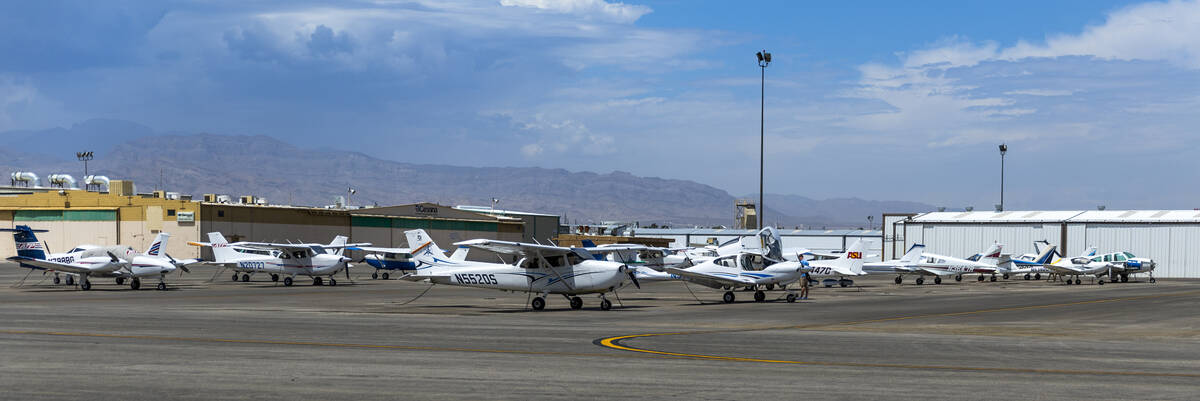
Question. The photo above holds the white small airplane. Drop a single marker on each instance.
(279, 260)
(1124, 264)
(917, 262)
(89, 261)
(541, 269)
(1083, 265)
(1032, 265)
(749, 270)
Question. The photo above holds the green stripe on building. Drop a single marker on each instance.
(428, 224)
(64, 215)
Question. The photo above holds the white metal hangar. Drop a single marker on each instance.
(1170, 237)
(816, 240)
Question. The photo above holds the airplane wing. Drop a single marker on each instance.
(720, 280)
(423, 277)
(57, 266)
(379, 249)
(515, 248)
(933, 271)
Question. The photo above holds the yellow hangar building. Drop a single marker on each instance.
(122, 216)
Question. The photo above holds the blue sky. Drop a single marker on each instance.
(1098, 100)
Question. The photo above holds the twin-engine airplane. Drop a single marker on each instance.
(88, 261)
(917, 262)
(747, 270)
(542, 270)
(392, 259)
(279, 260)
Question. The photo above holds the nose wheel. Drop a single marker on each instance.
(576, 302)
(538, 303)
(135, 283)
(605, 304)
(246, 278)
(287, 281)
(958, 278)
(728, 298)
(162, 286)
(791, 298)
(760, 296)
(899, 279)
(920, 280)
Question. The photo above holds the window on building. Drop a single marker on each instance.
(170, 212)
(220, 213)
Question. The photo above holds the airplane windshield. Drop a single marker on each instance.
(1129, 255)
(317, 250)
(1120, 257)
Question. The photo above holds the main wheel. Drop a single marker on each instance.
(1100, 282)
(85, 285)
(120, 280)
(958, 278)
(317, 281)
(760, 296)
(246, 278)
(274, 277)
(791, 298)
(70, 280)
(332, 282)
(728, 298)
(576, 302)
(980, 277)
(56, 280)
(605, 304)
(844, 283)
(385, 275)
(135, 283)
(770, 287)
(1037, 276)
(1006, 276)
(374, 276)
(235, 276)
(1027, 277)
(993, 278)
(538, 303)
(1068, 282)
(937, 280)
(1077, 282)
(1124, 277)
(287, 281)
(920, 280)
(899, 279)
(162, 286)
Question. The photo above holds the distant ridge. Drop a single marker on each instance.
(286, 174)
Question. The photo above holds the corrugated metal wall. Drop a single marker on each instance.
(1175, 247)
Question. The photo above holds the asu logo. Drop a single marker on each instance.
(853, 255)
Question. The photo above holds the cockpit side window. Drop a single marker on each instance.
(1119, 258)
(1108, 258)
(1129, 255)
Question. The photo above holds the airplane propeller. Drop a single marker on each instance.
(182, 266)
(632, 276)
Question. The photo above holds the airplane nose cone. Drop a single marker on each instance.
(344, 259)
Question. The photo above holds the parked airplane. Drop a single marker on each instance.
(390, 259)
(1124, 264)
(279, 260)
(916, 262)
(1032, 265)
(541, 269)
(746, 270)
(1083, 265)
(89, 261)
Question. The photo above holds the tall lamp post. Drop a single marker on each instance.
(84, 157)
(1003, 150)
(764, 58)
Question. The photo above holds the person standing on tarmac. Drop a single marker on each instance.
(804, 285)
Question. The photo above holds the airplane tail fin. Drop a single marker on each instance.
(460, 254)
(159, 245)
(1046, 254)
(424, 250)
(222, 252)
(1091, 251)
(340, 243)
(27, 242)
(913, 254)
(852, 260)
(587, 243)
(992, 253)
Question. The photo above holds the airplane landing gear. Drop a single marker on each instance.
(937, 280)
(56, 280)
(981, 278)
(375, 276)
(1077, 282)
(235, 277)
(993, 278)
(385, 275)
(791, 297)
(728, 298)
(1100, 281)
(287, 281)
(332, 282)
(120, 281)
(70, 280)
(958, 278)
(1037, 276)
(135, 283)
(246, 277)
(770, 287)
(899, 279)
(85, 284)
(920, 280)
(576, 302)
(1125, 278)
(1026, 276)
(605, 304)
(538, 303)
(845, 283)
(760, 296)
(1006, 276)
(316, 281)
(275, 277)
(162, 286)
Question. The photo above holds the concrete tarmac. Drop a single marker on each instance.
(206, 340)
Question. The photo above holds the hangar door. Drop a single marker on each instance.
(68, 228)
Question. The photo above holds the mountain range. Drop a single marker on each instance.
(287, 174)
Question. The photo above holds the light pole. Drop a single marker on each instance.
(764, 58)
(84, 157)
(1003, 150)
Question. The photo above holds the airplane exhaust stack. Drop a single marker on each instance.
(26, 178)
(61, 180)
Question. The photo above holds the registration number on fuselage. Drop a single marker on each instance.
(821, 271)
(253, 265)
(64, 259)
(476, 278)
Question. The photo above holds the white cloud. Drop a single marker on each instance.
(617, 12)
(531, 150)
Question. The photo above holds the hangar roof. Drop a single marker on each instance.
(1063, 216)
(739, 232)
